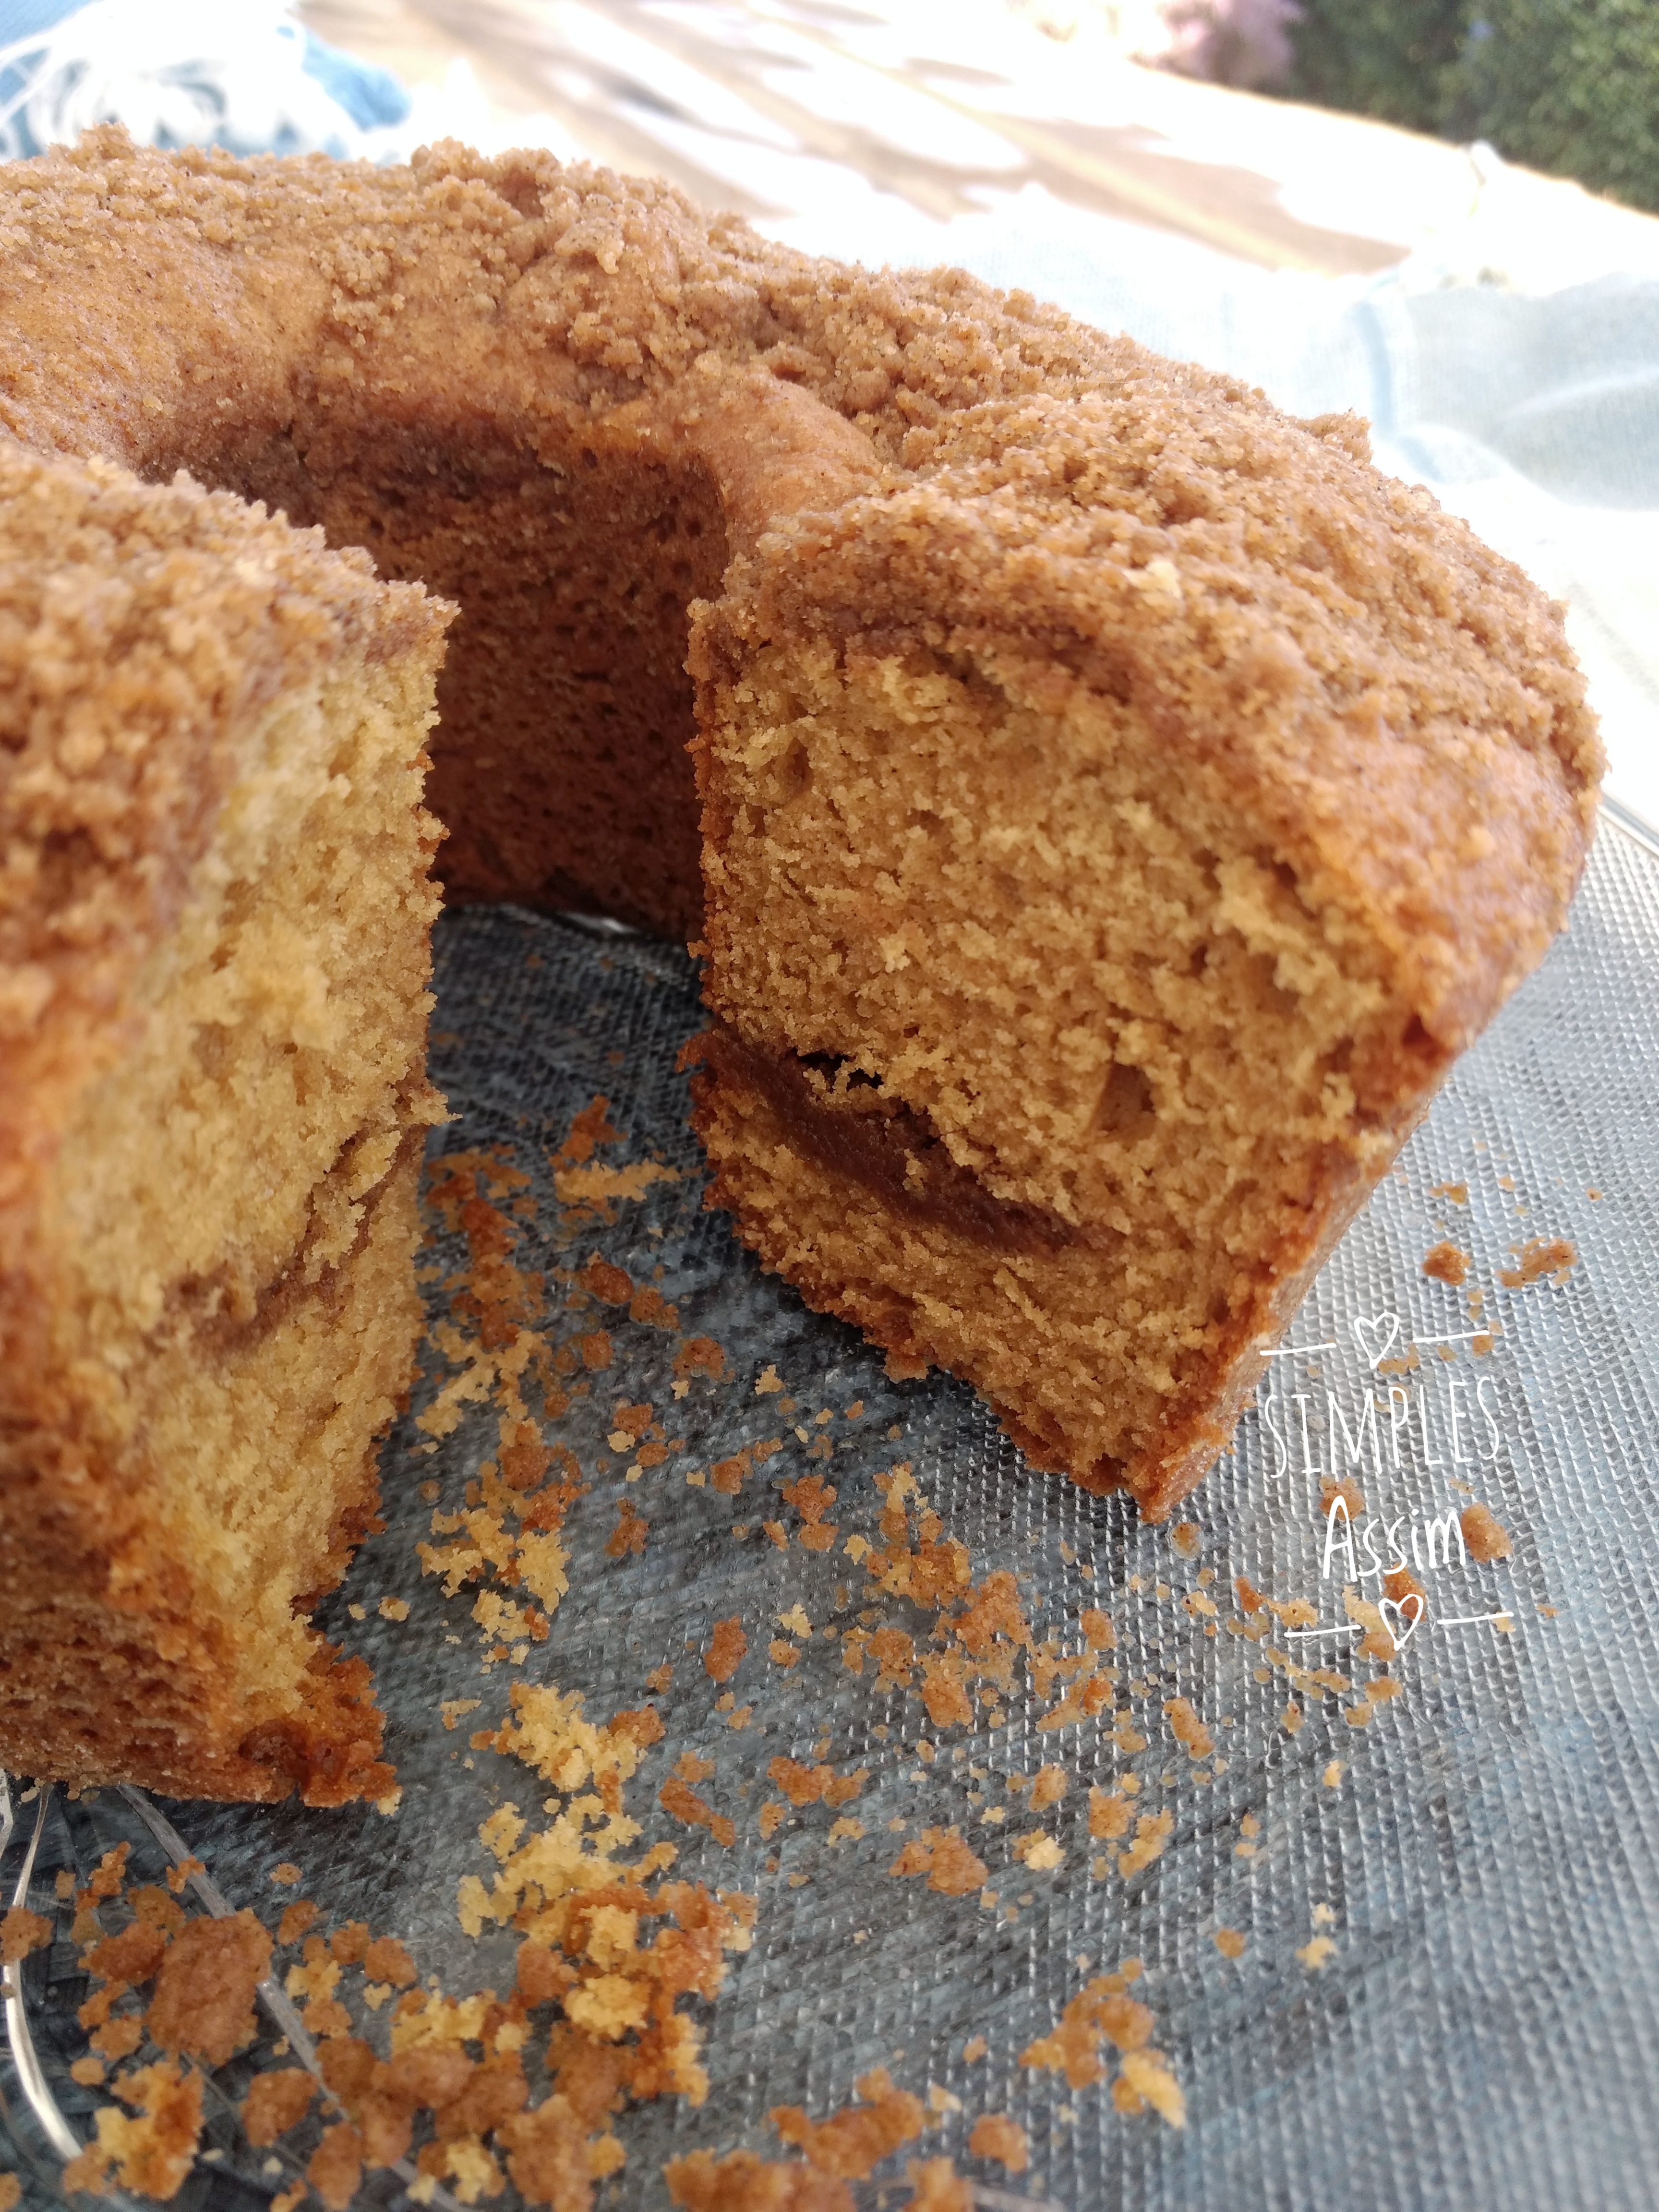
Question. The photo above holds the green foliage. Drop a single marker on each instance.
(1567, 85)
(1572, 86)
(1395, 59)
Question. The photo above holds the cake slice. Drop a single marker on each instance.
(1112, 837)
(213, 930)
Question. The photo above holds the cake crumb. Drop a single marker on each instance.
(1146, 2080)
(700, 1355)
(944, 1690)
(895, 1653)
(286, 1873)
(203, 2001)
(1049, 1787)
(1040, 1851)
(387, 1960)
(1378, 1642)
(1446, 1263)
(1484, 1534)
(683, 1803)
(995, 2135)
(1229, 1942)
(937, 2187)
(809, 1785)
(337, 2165)
(1458, 1192)
(1190, 1731)
(628, 1538)
(1111, 1815)
(1098, 1632)
(949, 1866)
(1187, 1538)
(1314, 1953)
(812, 1498)
(1334, 1770)
(727, 1476)
(296, 1920)
(1102, 2013)
(740, 2182)
(152, 2152)
(22, 1931)
(393, 1609)
(1152, 1832)
(1352, 1497)
(849, 2144)
(1555, 1256)
(276, 2102)
(974, 2049)
(1400, 1584)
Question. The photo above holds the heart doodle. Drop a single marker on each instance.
(1394, 1613)
(1375, 1335)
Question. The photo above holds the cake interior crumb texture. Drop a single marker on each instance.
(1104, 806)
(1152, 1042)
(214, 1194)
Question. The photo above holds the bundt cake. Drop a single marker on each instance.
(1104, 807)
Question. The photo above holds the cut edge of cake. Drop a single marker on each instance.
(215, 756)
(1104, 873)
